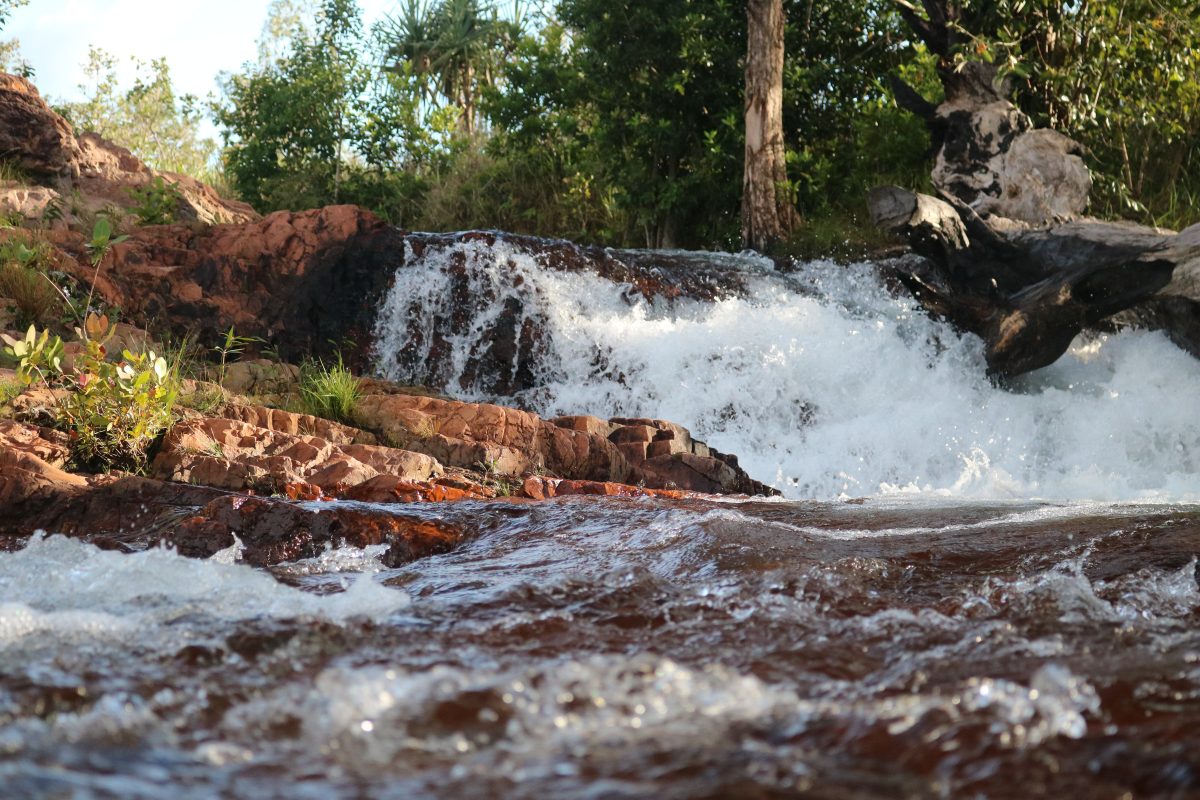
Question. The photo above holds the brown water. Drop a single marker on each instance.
(585, 648)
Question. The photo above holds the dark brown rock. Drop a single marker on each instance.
(32, 135)
(273, 531)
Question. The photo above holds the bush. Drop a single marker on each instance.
(330, 392)
(23, 280)
(113, 411)
(156, 203)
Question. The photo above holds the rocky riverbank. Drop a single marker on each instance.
(236, 466)
(263, 473)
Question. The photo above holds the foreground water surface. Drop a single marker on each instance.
(586, 648)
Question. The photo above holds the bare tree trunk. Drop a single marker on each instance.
(767, 216)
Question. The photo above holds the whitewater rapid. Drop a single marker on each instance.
(822, 382)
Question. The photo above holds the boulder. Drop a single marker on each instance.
(261, 377)
(31, 134)
(295, 280)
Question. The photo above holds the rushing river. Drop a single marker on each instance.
(971, 590)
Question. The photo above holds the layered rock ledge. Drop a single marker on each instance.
(283, 486)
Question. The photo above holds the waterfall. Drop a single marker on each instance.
(824, 383)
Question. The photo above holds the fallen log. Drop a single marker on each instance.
(1005, 253)
(1027, 292)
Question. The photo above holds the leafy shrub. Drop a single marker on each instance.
(113, 410)
(116, 410)
(156, 203)
(38, 358)
(328, 391)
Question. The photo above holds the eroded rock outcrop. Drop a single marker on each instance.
(296, 280)
(94, 172)
(235, 455)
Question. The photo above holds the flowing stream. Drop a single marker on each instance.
(968, 591)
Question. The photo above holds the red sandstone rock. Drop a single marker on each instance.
(229, 454)
(49, 446)
(127, 510)
(633, 433)
(26, 478)
(98, 172)
(39, 140)
(586, 424)
(692, 472)
(390, 489)
(490, 438)
(304, 491)
(290, 422)
(297, 279)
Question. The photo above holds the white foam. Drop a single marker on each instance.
(849, 392)
(70, 589)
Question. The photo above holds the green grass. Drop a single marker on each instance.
(328, 391)
(10, 170)
(24, 281)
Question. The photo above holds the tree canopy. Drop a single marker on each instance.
(621, 121)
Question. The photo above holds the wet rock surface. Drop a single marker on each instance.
(272, 531)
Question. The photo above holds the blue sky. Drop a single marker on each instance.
(199, 38)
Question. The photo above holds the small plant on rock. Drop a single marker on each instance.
(37, 357)
(232, 345)
(24, 281)
(328, 391)
(156, 203)
(112, 410)
(115, 409)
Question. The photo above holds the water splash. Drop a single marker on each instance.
(824, 384)
(70, 590)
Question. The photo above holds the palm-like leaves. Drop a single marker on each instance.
(454, 46)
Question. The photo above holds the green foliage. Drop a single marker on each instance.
(454, 49)
(1122, 77)
(38, 358)
(328, 391)
(24, 280)
(621, 122)
(287, 122)
(156, 203)
(638, 110)
(161, 127)
(115, 410)
(642, 101)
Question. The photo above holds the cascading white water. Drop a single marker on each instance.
(823, 383)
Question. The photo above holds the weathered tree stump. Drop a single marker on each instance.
(1006, 254)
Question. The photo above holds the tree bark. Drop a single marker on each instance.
(1004, 252)
(767, 215)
